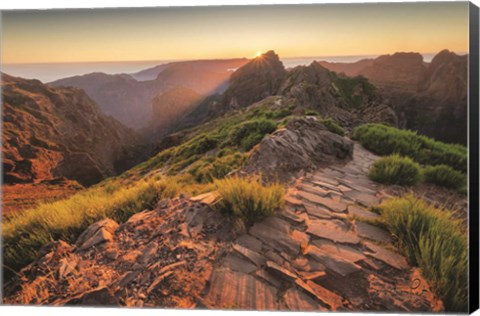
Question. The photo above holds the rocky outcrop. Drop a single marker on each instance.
(50, 133)
(303, 145)
(255, 81)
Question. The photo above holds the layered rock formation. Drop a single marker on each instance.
(58, 132)
(304, 145)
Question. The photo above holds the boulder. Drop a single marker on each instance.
(96, 234)
(304, 145)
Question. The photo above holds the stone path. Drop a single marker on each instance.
(319, 254)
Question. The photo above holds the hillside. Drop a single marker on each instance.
(130, 101)
(53, 133)
(427, 97)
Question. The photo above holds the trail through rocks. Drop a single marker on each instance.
(320, 252)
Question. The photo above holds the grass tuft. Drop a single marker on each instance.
(248, 200)
(395, 169)
(433, 240)
(445, 176)
(333, 126)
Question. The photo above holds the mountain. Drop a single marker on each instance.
(130, 101)
(256, 80)
(169, 106)
(59, 132)
(350, 101)
(218, 65)
(430, 98)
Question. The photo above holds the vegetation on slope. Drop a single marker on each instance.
(434, 241)
(385, 140)
(445, 176)
(395, 169)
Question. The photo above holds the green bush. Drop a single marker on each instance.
(435, 242)
(311, 113)
(248, 200)
(333, 126)
(206, 170)
(395, 169)
(248, 134)
(384, 140)
(445, 176)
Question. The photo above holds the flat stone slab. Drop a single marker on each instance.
(342, 251)
(317, 211)
(249, 242)
(308, 188)
(331, 299)
(360, 212)
(332, 262)
(277, 239)
(235, 290)
(279, 270)
(331, 204)
(292, 200)
(389, 257)
(206, 198)
(237, 263)
(290, 215)
(373, 233)
(251, 255)
(296, 300)
(312, 275)
(327, 185)
(333, 230)
(364, 199)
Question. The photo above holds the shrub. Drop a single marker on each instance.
(248, 134)
(435, 242)
(445, 176)
(333, 126)
(311, 113)
(206, 170)
(395, 170)
(385, 140)
(248, 200)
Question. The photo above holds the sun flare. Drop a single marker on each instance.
(258, 54)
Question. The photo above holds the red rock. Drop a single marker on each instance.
(332, 230)
(298, 301)
(277, 269)
(333, 262)
(331, 299)
(389, 257)
(373, 233)
(229, 289)
(249, 254)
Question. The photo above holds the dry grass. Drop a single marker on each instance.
(249, 199)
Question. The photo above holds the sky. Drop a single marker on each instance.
(223, 32)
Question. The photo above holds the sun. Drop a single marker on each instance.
(258, 54)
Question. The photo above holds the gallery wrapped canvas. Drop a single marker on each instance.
(313, 157)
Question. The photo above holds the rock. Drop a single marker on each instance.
(249, 254)
(236, 263)
(278, 270)
(99, 297)
(331, 261)
(67, 266)
(97, 233)
(331, 299)
(333, 230)
(361, 213)
(263, 274)
(229, 289)
(298, 301)
(206, 198)
(250, 242)
(389, 257)
(318, 211)
(277, 239)
(303, 145)
(342, 251)
(312, 275)
(331, 204)
(162, 277)
(373, 233)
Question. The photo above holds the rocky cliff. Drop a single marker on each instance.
(428, 97)
(58, 132)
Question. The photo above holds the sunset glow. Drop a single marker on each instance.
(225, 32)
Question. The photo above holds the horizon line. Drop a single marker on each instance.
(226, 58)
